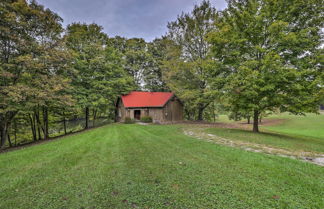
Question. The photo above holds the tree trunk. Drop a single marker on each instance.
(45, 122)
(200, 112)
(64, 123)
(8, 134)
(214, 114)
(3, 134)
(4, 126)
(86, 118)
(15, 132)
(248, 119)
(256, 121)
(39, 132)
(33, 126)
(94, 117)
(39, 124)
(9, 140)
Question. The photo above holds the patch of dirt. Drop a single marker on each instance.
(143, 124)
(199, 133)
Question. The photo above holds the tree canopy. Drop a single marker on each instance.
(187, 70)
(269, 51)
(32, 62)
(97, 74)
(251, 59)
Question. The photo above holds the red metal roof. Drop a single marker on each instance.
(146, 99)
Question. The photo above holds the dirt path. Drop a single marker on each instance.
(199, 133)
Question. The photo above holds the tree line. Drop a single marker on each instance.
(250, 59)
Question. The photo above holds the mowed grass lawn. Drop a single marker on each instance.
(311, 125)
(294, 133)
(276, 140)
(154, 166)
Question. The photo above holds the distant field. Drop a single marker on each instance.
(153, 166)
(223, 119)
(311, 125)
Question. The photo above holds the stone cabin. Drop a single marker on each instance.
(163, 107)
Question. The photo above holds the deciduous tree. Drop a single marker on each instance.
(97, 70)
(187, 73)
(270, 51)
(28, 48)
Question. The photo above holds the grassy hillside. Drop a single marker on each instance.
(311, 125)
(133, 166)
(285, 141)
(296, 133)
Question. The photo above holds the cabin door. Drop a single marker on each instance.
(137, 114)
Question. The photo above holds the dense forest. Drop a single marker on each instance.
(251, 59)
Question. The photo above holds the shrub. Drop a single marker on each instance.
(128, 120)
(146, 119)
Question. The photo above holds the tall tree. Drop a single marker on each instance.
(187, 73)
(50, 72)
(27, 31)
(136, 58)
(98, 77)
(153, 72)
(270, 51)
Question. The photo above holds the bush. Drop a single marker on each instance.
(146, 119)
(128, 120)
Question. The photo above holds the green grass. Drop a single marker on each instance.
(129, 166)
(302, 133)
(293, 143)
(311, 125)
(223, 119)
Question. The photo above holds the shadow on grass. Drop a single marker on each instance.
(296, 145)
(271, 134)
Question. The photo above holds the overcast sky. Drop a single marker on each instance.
(128, 18)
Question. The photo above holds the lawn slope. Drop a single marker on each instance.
(277, 140)
(133, 166)
(311, 125)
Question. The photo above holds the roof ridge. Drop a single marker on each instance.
(153, 91)
(146, 99)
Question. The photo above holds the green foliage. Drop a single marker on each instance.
(129, 120)
(46, 78)
(187, 65)
(33, 60)
(135, 57)
(143, 61)
(98, 77)
(146, 119)
(153, 77)
(269, 54)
